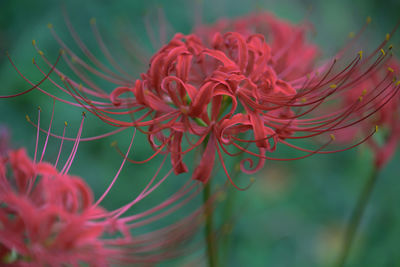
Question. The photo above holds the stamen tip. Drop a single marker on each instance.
(41, 52)
(39, 108)
(237, 167)
(376, 128)
(252, 179)
(383, 52)
(92, 21)
(49, 25)
(390, 69)
(84, 114)
(113, 143)
(360, 53)
(221, 196)
(351, 34)
(27, 118)
(333, 86)
(33, 42)
(333, 137)
(387, 36)
(369, 19)
(65, 123)
(33, 60)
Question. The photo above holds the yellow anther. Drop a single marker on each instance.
(390, 47)
(383, 52)
(41, 52)
(390, 69)
(33, 42)
(398, 83)
(80, 87)
(27, 118)
(369, 19)
(39, 108)
(221, 196)
(308, 75)
(316, 73)
(74, 59)
(387, 37)
(364, 92)
(333, 86)
(333, 137)
(351, 34)
(33, 60)
(360, 98)
(113, 143)
(62, 51)
(304, 100)
(237, 167)
(376, 128)
(394, 78)
(62, 77)
(84, 113)
(93, 21)
(65, 124)
(252, 179)
(360, 53)
(49, 25)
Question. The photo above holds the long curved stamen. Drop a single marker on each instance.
(48, 132)
(69, 161)
(117, 174)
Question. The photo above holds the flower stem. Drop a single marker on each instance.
(356, 216)
(209, 233)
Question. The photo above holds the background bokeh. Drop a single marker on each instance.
(295, 213)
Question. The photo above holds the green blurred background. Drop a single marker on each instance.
(295, 213)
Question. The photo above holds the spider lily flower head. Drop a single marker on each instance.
(220, 86)
(48, 223)
(237, 87)
(50, 218)
(386, 118)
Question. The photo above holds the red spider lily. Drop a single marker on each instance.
(231, 90)
(49, 217)
(387, 117)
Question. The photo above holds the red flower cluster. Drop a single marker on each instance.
(49, 222)
(49, 218)
(239, 86)
(235, 84)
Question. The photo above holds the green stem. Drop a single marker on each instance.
(209, 233)
(356, 217)
(228, 224)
